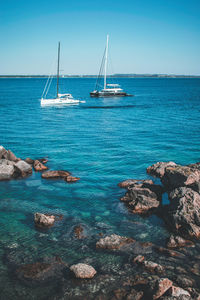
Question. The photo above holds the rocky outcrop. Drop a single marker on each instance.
(180, 176)
(83, 271)
(24, 168)
(176, 241)
(183, 213)
(55, 174)
(43, 220)
(113, 241)
(158, 169)
(38, 166)
(7, 169)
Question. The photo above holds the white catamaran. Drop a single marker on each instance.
(60, 98)
(109, 90)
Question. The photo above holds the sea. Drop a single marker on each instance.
(103, 141)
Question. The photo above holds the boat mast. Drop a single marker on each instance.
(106, 59)
(58, 67)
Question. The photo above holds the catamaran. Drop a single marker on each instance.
(60, 98)
(109, 90)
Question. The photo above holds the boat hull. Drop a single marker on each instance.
(108, 94)
(59, 101)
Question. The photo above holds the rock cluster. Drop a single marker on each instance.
(142, 196)
(59, 174)
(11, 166)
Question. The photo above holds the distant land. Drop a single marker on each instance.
(114, 75)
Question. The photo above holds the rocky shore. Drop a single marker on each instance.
(113, 266)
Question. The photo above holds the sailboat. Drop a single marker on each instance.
(60, 98)
(109, 90)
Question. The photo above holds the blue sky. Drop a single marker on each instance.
(145, 36)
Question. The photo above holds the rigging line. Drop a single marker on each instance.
(46, 85)
(49, 85)
(100, 71)
(111, 66)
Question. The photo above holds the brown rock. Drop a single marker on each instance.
(113, 242)
(129, 182)
(79, 232)
(183, 213)
(29, 161)
(55, 174)
(177, 291)
(169, 252)
(149, 265)
(138, 259)
(38, 166)
(159, 286)
(71, 179)
(83, 271)
(43, 220)
(176, 241)
(159, 168)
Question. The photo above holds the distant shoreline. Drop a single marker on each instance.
(111, 76)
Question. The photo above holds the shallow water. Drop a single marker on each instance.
(102, 141)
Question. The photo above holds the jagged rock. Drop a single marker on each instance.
(159, 286)
(180, 176)
(113, 242)
(158, 169)
(55, 174)
(143, 199)
(3, 151)
(71, 179)
(177, 291)
(176, 241)
(43, 220)
(11, 156)
(129, 182)
(38, 166)
(183, 213)
(24, 168)
(41, 271)
(194, 166)
(83, 270)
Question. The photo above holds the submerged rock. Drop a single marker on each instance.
(83, 271)
(43, 220)
(38, 166)
(183, 213)
(55, 174)
(79, 232)
(41, 271)
(158, 169)
(130, 182)
(113, 241)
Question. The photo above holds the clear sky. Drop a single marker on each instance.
(146, 36)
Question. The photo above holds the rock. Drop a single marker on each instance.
(11, 156)
(55, 174)
(159, 286)
(3, 152)
(38, 166)
(176, 241)
(158, 169)
(149, 265)
(41, 271)
(180, 176)
(129, 182)
(134, 295)
(194, 166)
(24, 168)
(71, 179)
(113, 242)
(83, 270)
(169, 252)
(79, 232)
(177, 291)
(43, 160)
(142, 200)
(7, 170)
(29, 161)
(43, 220)
(183, 213)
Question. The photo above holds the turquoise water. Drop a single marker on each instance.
(102, 141)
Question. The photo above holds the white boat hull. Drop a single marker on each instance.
(59, 101)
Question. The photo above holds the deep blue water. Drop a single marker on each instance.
(102, 141)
